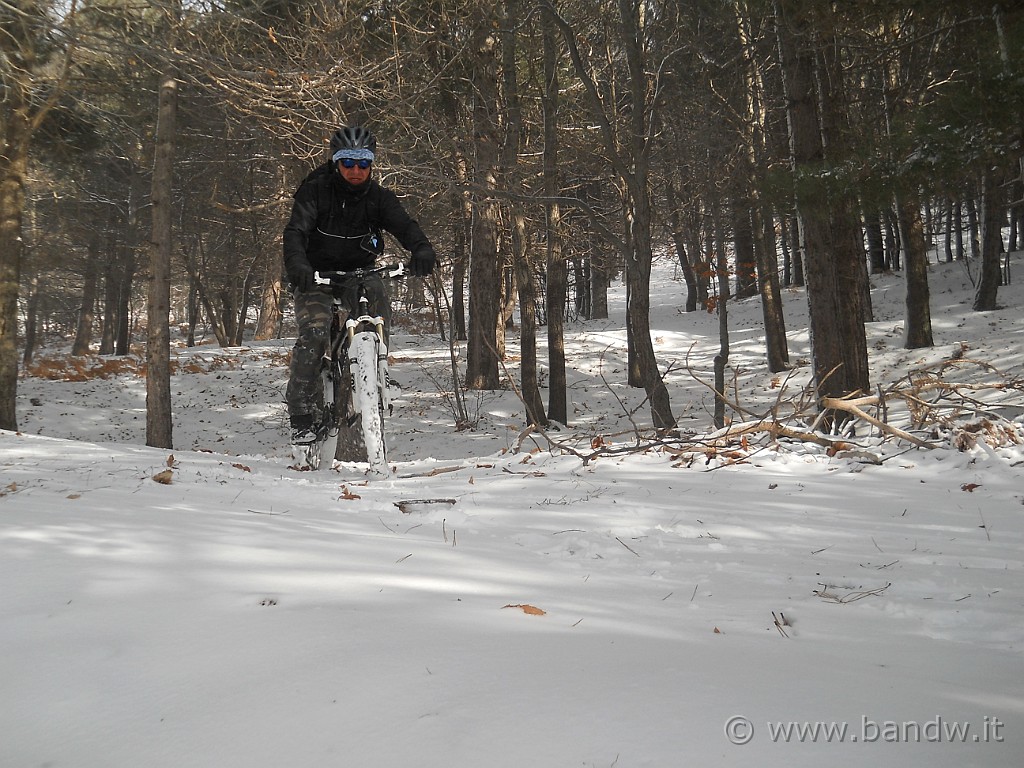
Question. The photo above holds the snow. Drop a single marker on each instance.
(246, 614)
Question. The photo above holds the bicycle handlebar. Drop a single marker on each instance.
(393, 271)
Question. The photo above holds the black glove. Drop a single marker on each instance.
(423, 261)
(302, 278)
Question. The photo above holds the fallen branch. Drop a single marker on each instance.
(852, 406)
(408, 505)
(849, 597)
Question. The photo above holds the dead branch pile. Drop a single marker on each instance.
(944, 405)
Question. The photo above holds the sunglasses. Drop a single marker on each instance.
(350, 163)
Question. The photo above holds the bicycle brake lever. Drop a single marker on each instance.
(398, 271)
(321, 280)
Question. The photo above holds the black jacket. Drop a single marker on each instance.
(335, 226)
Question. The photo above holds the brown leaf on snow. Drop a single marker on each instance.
(347, 494)
(242, 467)
(527, 608)
(164, 478)
(969, 487)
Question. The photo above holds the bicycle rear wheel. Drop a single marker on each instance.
(325, 421)
(327, 433)
(367, 398)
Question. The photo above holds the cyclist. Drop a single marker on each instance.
(336, 223)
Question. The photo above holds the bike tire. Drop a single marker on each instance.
(327, 434)
(350, 434)
(366, 391)
(310, 456)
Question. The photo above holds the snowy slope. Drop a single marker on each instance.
(518, 607)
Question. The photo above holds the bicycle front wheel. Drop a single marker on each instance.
(366, 392)
(327, 433)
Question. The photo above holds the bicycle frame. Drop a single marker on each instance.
(355, 370)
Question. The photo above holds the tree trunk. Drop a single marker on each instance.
(129, 260)
(581, 287)
(758, 226)
(158, 341)
(521, 270)
(25, 78)
(828, 225)
(13, 163)
(191, 312)
(485, 276)
(109, 307)
(463, 215)
(216, 318)
(947, 238)
(876, 246)
(125, 277)
(798, 251)
(32, 301)
(776, 344)
(743, 245)
(508, 296)
(638, 274)
(555, 266)
(269, 324)
(17, 44)
(787, 252)
(629, 152)
(918, 321)
(722, 358)
(993, 216)
(638, 310)
(973, 226)
(864, 284)
(83, 334)
(892, 244)
(529, 379)
(958, 232)
(675, 220)
(599, 281)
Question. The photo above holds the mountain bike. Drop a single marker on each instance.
(352, 388)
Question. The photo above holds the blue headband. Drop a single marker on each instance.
(352, 154)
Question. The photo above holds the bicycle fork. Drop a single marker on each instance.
(366, 321)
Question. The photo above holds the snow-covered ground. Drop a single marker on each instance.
(497, 603)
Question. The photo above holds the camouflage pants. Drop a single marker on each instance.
(313, 315)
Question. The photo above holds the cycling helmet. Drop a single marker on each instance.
(354, 141)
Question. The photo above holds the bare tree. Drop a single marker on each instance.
(993, 217)
(520, 255)
(485, 283)
(555, 261)
(83, 334)
(760, 214)
(829, 233)
(158, 371)
(26, 97)
(629, 150)
(918, 324)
